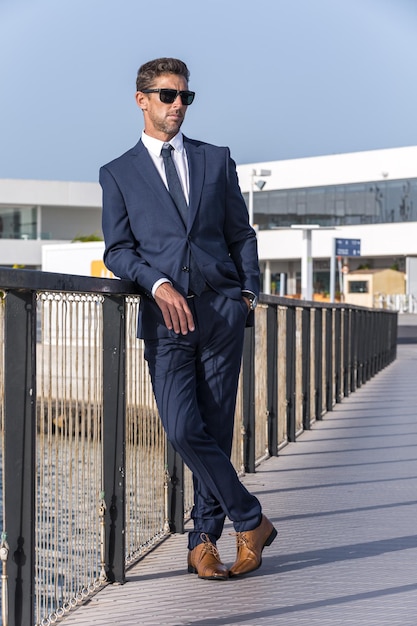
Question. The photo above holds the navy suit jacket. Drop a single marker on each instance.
(145, 237)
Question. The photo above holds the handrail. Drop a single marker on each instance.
(299, 360)
(36, 280)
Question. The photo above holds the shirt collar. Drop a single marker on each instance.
(155, 145)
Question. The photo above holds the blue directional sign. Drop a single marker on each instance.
(348, 247)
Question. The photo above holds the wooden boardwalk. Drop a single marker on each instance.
(344, 500)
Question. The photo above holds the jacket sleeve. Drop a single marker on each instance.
(121, 254)
(239, 234)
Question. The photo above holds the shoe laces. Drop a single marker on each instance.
(209, 546)
(241, 539)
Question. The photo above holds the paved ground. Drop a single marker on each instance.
(407, 328)
(344, 499)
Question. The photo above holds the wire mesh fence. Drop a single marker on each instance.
(146, 473)
(68, 452)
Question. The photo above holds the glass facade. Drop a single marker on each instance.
(337, 205)
(18, 222)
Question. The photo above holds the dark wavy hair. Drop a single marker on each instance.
(152, 69)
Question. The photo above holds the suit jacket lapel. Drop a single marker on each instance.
(196, 165)
(150, 176)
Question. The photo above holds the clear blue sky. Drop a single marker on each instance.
(276, 79)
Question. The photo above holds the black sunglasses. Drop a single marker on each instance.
(168, 96)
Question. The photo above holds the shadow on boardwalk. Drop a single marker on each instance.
(344, 499)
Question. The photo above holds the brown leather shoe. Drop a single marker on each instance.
(204, 560)
(250, 545)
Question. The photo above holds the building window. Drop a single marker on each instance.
(18, 222)
(358, 286)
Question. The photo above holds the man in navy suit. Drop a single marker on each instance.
(175, 222)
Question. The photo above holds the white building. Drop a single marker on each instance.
(36, 212)
(367, 196)
(370, 196)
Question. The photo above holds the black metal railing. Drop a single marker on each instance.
(299, 360)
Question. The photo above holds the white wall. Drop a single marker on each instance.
(73, 258)
(377, 240)
(334, 169)
(49, 193)
(26, 252)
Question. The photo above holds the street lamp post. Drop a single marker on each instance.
(260, 184)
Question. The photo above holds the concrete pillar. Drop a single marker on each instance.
(267, 278)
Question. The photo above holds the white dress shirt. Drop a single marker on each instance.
(179, 156)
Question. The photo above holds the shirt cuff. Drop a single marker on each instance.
(248, 292)
(159, 282)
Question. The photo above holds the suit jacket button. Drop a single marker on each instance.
(185, 268)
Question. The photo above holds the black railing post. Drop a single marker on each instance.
(359, 348)
(19, 452)
(318, 356)
(373, 329)
(114, 434)
(382, 337)
(248, 380)
(338, 353)
(365, 347)
(374, 323)
(305, 376)
(353, 348)
(175, 467)
(329, 358)
(394, 335)
(346, 351)
(272, 379)
(393, 323)
(290, 363)
(362, 346)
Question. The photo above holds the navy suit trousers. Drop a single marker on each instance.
(195, 379)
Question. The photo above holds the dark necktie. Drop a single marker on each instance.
(197, 282)
(174, 183)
